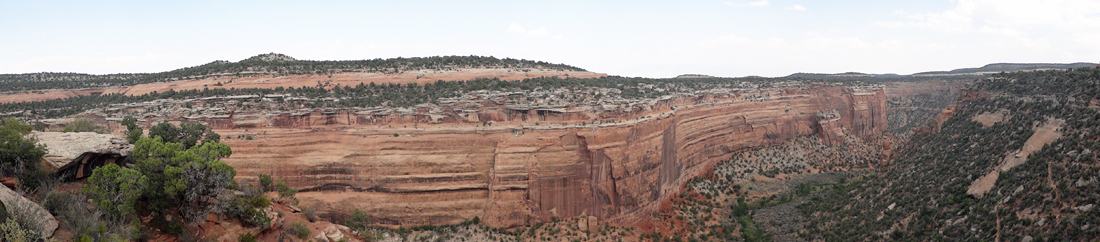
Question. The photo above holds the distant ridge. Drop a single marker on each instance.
(266, 64)
(694, 76)
(962, 73)
(1008, 67)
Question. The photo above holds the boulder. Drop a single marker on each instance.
(333, 233)
(65, 148)
(15, 203)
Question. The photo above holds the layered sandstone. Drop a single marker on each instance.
(514, 165)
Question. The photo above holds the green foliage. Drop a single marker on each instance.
(84, 125)
(358, 221)
(130, 122)
(741, 209)
(187, 134)
(191, 133)
(750, 232)
(166, 131)
(18, 154)
(248, 214)
(284, 190)
(194, 180)
(134, 131)
(13, 232)
(267, 183)
(134, 134)
(115, 190)
(259, 201)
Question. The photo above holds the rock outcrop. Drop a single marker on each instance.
(17, 205)
(517, 165)
(80, 152)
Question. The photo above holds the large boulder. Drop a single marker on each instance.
(16, 204)
(64, 149)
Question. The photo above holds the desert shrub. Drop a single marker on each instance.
(115, 190)
(286, 192)
(72, 211)
(311, 214)
(267, 183)
(194, 180)
(358, 220)
(249, 215)
(11, 230)
(259, 201)
(299, 229)
(18, 154)
(84, 125)
(38, 178)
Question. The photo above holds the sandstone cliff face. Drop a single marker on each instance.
(408, 167)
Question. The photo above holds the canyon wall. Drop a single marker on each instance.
(514, 166)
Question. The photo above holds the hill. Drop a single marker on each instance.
(1007, 67)
(956, 74)
(1014, 161)
(271, 64)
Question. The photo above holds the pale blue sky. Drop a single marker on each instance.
(630, 38)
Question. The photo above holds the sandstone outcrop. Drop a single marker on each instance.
(80, 152)
(16, 204)
(515, 165)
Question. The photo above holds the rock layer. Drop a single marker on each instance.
(439, 167)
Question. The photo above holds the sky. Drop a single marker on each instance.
(658, 39)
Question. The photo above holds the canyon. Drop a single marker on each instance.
(513, 157)
(514, 167)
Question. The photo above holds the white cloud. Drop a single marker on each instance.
(797, 8)
(516, 28)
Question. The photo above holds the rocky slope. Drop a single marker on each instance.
(1013, 160)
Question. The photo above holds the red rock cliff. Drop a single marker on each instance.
(443, 166)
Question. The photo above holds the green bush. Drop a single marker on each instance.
(284, 190)
(184, 178)
(358, 220)
(18, 154)
(12, 231)
(267, 183)
(115, 190)
(259, 201)
(249, 215)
